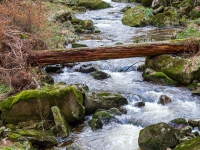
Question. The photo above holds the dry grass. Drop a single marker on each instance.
(20, 26)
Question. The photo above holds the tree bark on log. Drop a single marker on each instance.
(104, 53)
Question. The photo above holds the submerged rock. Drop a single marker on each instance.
(36, 104)
(94, 4)
(158, 136)
(164, 99)
(137, 16)
(93, 101)
(100, 75)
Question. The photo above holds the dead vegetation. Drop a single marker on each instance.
(20, 26)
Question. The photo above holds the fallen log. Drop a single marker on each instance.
(103, 53)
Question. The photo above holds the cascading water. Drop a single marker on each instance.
(129, 83)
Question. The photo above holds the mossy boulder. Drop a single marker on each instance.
(193, 144)
(36, 104)
(94, 4)
(82, 26)
(158, 137)
(157, 77)
(93, 101)
(62, 126)
(137, 16)
(147, 3)
(42, 138)
(170, 17)
(100, 118)
(22, 145)
(182, 70)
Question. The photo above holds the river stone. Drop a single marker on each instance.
(193, 144)
(53, 69)
(137, 16)
(100, 118)
(178, 123)
(182, 70)
(158, 137)
(168, 18)
(140, 104)
(164, 99)
(21, 145)
(44, 138)
(95, 124)
(93, 101)
(86, 68)
(62, 126)
(157, 77)
(36, 104)
(94, 4)
(194, 122)
(76, 45)
(182, 125)
(74, 146)
(100, 75)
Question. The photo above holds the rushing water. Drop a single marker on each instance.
(130, 84)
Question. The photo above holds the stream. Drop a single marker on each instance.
(129, 83)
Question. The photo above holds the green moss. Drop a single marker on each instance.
(45, 93)
(189, 32)
(137, 16)
(24, 36)
(193, 144)
(99, 114)
(4, 88)
(14, 136)
(94, 4)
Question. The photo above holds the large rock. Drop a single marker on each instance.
(42, 138)
(193, 144)
(137, 16)
(184, 71)
(36, 104)
(158, 137)
(157, 77)
(94, 4)
(93, 101)
(170, 17)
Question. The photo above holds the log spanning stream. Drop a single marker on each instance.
(124, 135)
